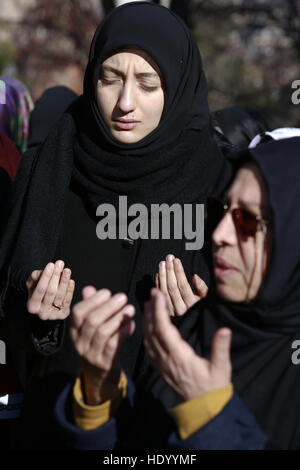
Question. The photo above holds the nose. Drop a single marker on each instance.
(127, 98)
(225, 232)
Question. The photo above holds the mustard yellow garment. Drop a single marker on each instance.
(192, 415)
(189, 416)
(91, 417)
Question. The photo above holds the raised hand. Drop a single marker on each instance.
(188, 374)
(100, 324)
(172, 281)
(50, 292)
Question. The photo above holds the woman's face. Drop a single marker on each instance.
(240, 262)
(130, 96)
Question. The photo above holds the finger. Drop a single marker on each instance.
(163, 331)
(183, 284)
(35, 275)
(33, 279)
(65, 311)
(157, 281)
(88, 291)
(220, 350)
(162, 280)
(173, 289)
(35, 300)
(200, 286)
(112, 327)
(69, 293)
(99, 317)
(53, 284)
(110, 351)
(83, 308)
(62, 287)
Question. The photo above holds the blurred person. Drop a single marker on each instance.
(141, 129)
(15, 112)
(256, 252)
(47, 110)
(239, 124)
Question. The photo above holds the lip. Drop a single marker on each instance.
(222, 268)
(125, 125)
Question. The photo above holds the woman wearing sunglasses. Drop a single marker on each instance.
(256, 258)
(240, 342)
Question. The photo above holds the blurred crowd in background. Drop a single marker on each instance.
(250, 49)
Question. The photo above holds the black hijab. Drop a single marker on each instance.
(264, 329)
(179, 158)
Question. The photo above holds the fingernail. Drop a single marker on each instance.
(120, 297)
(170, 258)
(66, 272)
(49, 267)
(162, 265)
(59, 264)
(177, 261)
(103, 292)
(130, 311)
(225, 332)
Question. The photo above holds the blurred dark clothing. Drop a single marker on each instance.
(48, 108)
(239, 124)
(9, 156)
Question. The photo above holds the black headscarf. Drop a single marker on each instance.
(264, 329)
(178, 158)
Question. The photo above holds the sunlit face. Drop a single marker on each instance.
(240, 263)
(130, 96)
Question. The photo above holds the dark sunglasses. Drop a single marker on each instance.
(246, 223)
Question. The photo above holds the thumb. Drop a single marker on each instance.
(220, 350)
(200, 286)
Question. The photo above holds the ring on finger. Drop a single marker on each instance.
(59, 307)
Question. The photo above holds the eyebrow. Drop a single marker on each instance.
(107, 68)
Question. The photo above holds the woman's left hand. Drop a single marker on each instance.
(189, 375)
(50, 292)
(172, 281)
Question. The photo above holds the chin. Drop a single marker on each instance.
(230, 294)
(126, 137)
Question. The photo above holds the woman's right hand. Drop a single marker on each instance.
(100, 324)
(172, 282)
(50, 292)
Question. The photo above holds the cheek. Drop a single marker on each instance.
(255, 263)
(104, 101)
(233, 289)
(154, 109)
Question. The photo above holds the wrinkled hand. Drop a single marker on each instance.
(188, 374)
(100, 324)
(172, 281)
(49, 287)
